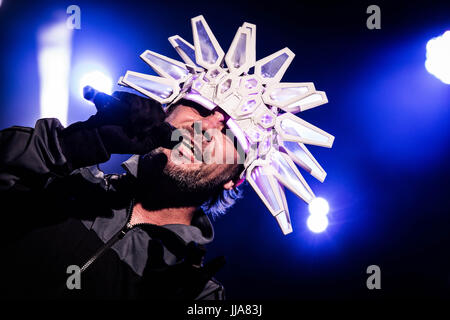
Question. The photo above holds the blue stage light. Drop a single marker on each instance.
(55, 43)
(438, 57)
(98, 80)
(319, 206)
(317, 223)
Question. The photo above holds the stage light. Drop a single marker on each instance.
(317, 223)
(318, 206)
(438, 57)
(98, 80)
(54, 68)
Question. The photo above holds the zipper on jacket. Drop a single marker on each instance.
(119, 235)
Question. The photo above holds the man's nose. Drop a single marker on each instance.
(213, 121)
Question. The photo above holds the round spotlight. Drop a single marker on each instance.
(438, 61)
(318, 206)
(317, 223)
(97, 80)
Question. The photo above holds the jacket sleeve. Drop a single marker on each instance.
(31, 157)
(40, 184)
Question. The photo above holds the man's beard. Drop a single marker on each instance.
(178, 186)
(200, 179)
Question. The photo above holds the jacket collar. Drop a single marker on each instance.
(200, 231)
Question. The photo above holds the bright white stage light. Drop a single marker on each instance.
(438, 57)
(318, 206)
(317, 223)
(54, 68)
(98, 80)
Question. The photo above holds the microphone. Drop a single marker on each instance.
(100, 99)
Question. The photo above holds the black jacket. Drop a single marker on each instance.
(53, 218)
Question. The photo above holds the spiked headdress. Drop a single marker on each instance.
(260, 107)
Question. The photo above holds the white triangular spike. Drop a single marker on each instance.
(266, 187)
(185, 50)
(121, 83)
(238, 56)
(284, 169)
(252, 28)
(160, 89)
(208, 52)
(292, 128)
(166, 67)
(271, 193)
(284, 221)
(312, 100)
(283, 218)
(272, 68)
(284, 94)
(301, 155)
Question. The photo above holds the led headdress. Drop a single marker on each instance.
(261, 109)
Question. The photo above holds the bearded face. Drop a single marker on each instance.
(205, 161)
(207, 156)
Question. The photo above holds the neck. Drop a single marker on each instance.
(163, 216)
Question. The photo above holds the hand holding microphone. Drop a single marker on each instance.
(128, 123)
(125, 123)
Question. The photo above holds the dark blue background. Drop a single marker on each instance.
(388, 172)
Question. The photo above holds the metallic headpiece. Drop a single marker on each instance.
(260, 108)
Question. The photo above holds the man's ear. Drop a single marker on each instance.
(229, 185)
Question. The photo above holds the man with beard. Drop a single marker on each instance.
(71, 231)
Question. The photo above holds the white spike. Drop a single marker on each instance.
(121, 83)
(292, 128)
(272, 68)
(284, 94)
(184, 49)
(310, 101)
(160, 89)
(287, 173)
(238, 57)
(301, 155)
(271, 193)
(166, 67)
(284, 221)
(208, 52)
(266, 187)
(252, 28)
